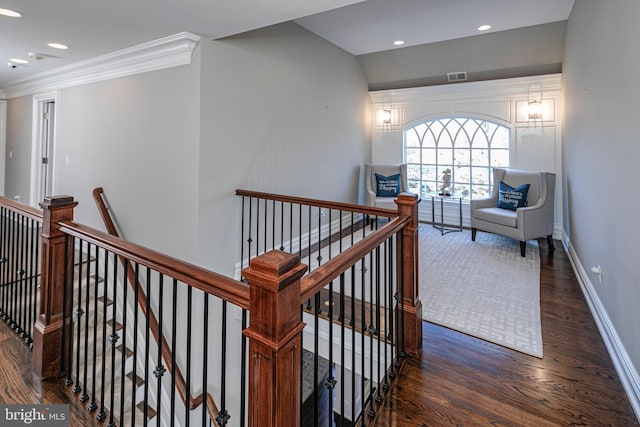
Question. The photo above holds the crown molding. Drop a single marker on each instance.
(167, 52)
(550, 83)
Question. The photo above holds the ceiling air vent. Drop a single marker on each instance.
(457, 77)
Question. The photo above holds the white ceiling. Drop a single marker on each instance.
(94, 28)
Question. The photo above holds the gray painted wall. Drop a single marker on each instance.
(601, 153)
(521, 52)
(283, 111)
(278, 110)
(18, 149)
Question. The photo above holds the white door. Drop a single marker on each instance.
(42, 149)
(46, 149)
(3, 130)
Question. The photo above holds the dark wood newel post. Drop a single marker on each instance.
(47, 332)
(411, 305)
(275, 339)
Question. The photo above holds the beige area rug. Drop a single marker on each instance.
(482, 288)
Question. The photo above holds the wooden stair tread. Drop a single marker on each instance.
(150, 411)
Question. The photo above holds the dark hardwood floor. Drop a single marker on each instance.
(459, 380)
(18, 386)
(463, 381)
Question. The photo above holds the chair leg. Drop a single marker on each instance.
(550, 242)
(523, 248)
(473, 234)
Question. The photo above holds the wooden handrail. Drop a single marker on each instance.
(28, 211)
(349, 207)
(207, 281)
(194, 402)
(320, 277)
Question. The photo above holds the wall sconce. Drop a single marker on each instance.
(535, 110)
(387, 117)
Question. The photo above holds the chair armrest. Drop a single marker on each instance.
(488, 202)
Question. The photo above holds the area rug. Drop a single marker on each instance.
(482, 288)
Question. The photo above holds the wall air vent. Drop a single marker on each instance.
(457, 77)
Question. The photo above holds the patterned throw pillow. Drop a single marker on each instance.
(512, 198)
(387, 186)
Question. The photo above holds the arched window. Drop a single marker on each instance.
(469, 147)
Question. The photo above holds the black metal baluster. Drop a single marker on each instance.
(319, 257)
(372, 332)
(68, 285)
(352, 322)
(94, 404)
(188, 380)
(363, 335)
(223, 415)
(102, 414)
(28, 325)
(282, 226)
(15, 257)
(174, 350)
(402, 301)
(342, 339)
(266, 217)
(85, 395)
(123, 355)
(387, 257)
(63, 347)
(243, 370)
(134, 373)
(205, 354)
(78, 319)
(20, 276)
(242, 235)
(378, 332)
(35, 307)
(316, 351)
(391, 332)
(331, 381)
(257, 226)
(273, 224)
(113, 338)
(3, 259)
(291, 227)
(145, 418)
(160, 369)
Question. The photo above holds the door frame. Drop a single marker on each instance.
(36, 146)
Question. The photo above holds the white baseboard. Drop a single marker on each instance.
(621, 361)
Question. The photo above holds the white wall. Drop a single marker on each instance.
(601, 152)
(535, 145)
(3, 134)
(283, 111)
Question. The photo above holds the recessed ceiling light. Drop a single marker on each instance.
(398, 42)
(19, 61)
(10, 13)
(484, 27)
(58, 46)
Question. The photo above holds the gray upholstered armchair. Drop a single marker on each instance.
(370, 171)
(533, 221)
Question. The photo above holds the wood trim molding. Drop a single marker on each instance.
(621, 360)
(167, 52)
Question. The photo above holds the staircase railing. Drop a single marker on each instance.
(20, 228)
(157, 334)
(359, 304)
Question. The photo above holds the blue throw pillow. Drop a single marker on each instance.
(387, 186)
(512, 198)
